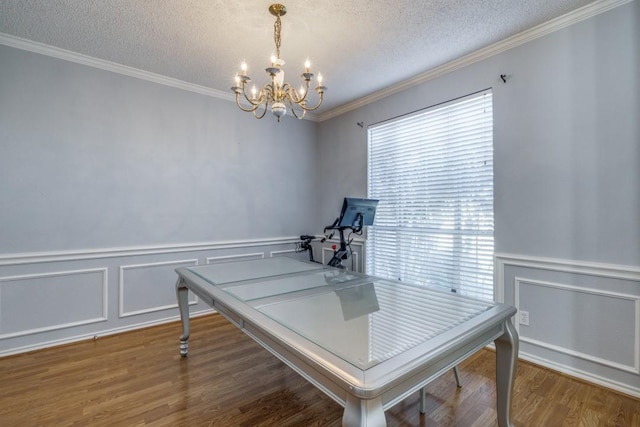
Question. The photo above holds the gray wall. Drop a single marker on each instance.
(109, 182)
(94, 159)
(567, 193)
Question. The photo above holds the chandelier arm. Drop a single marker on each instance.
(293, 95)
(303, 98)
(254, 102)
(287, 90)
(253, 108)
(320, 95)
(303, 105)
(301, 101)
(293, 104)
(264, 111)
(293, 110)
(293, 99)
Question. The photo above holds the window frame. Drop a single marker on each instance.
(481, 103)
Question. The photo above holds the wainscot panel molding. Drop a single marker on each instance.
(36, 303)
(286, 252)
(241, 257)
(57, 256)
(59, 297)
(584, 317)
(625, 307)
(150, 293)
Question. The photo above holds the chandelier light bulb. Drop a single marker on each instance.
(319, 79)
(243, 67)
(307, 65)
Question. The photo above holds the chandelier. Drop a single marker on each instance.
(277, 93)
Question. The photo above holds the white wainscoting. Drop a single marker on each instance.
(53, 298)
(143, 288)
(286, 252)
(605, 309)
(37, 303)
(584, 317)
(241, 257)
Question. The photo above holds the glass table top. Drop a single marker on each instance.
(363, 320)
(226, 272)
(280, 285)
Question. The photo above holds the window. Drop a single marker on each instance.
(433, 174)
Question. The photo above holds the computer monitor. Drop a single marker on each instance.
(357, 212)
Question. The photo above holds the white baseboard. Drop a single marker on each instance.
(583, 375)
(101, 334)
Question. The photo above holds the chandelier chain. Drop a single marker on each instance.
(277, 28)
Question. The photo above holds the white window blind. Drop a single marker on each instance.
(433, 174)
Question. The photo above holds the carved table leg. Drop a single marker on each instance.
(183, 304)
(506, 359)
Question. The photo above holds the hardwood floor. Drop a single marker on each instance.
(138, 379)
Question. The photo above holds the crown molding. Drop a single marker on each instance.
(67, 55)
(526, 36)
(585, 12)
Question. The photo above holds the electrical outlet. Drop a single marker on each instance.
(524, 318)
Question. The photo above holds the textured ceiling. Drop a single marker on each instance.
(360, 46)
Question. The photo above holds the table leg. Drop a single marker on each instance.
(506, 359)
(363, 413)
(183, 304)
